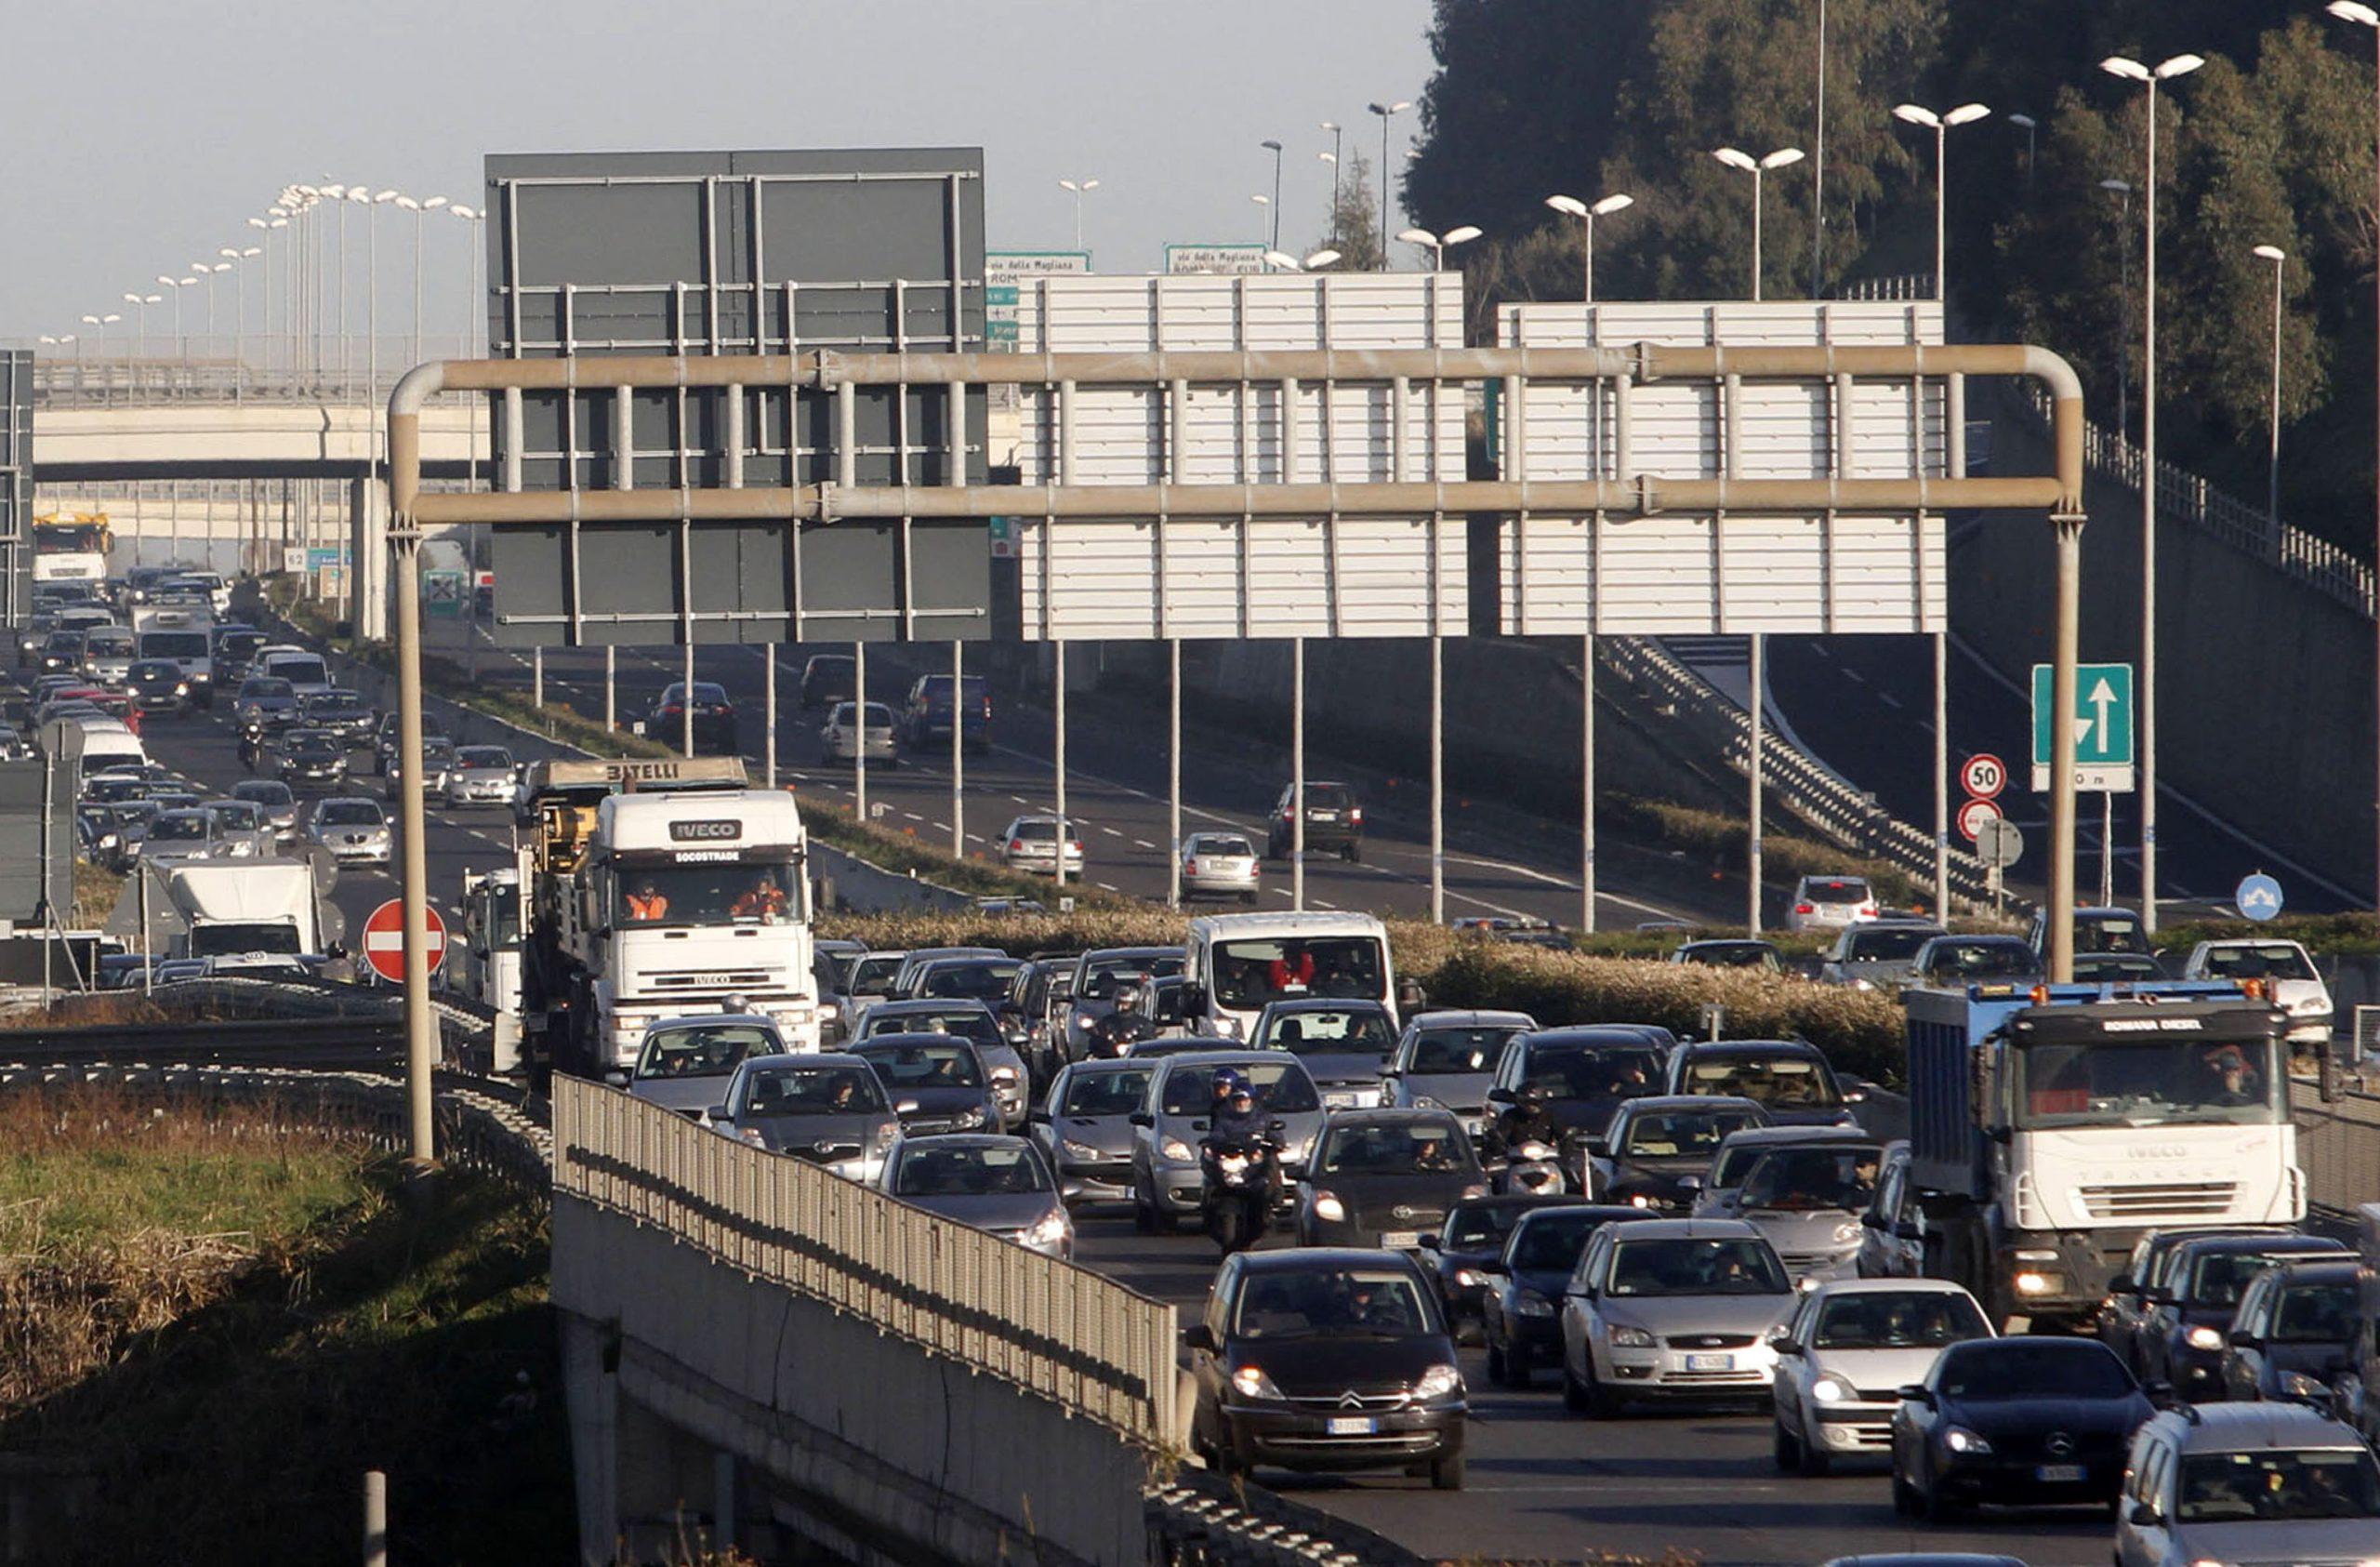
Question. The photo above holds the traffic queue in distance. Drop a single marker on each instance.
(2080, 1278)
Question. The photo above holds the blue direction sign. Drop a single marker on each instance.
(2257, 897)
(2102, 721)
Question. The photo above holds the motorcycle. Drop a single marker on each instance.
(1533, 1169)
(1114, 1035)
(1238, 1199)
(251, 744)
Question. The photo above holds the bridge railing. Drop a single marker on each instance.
(1099, 1350)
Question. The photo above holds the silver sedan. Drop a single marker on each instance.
(351, 830)
(1220, 865)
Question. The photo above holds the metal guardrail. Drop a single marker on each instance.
(1900, 285)
(1062, 1332)
(317, 1043)
(2338, 1147)
(1198, 1519)
(2184, 497)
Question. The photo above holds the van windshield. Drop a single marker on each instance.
(1248, 975)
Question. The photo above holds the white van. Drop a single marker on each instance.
(1238, 962)
(106, 741)
(307, 673)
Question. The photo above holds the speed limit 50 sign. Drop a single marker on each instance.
(1985, 776)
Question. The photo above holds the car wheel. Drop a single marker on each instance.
(1352, 852)
(1496, 1366)
(1788, 1449)
(1939, 1508)
(1144, 1217)
(1816, 1462)
(1905, 1500)
(1575, 1395)
(1447, 1473)
(1519, 1376)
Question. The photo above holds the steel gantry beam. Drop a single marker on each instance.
(1061, 375)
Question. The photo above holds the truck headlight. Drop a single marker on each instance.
(2039, 1281)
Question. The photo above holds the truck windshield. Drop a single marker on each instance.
(1251, 974)
(2152, 1082)
(709, 894)
(224, 941)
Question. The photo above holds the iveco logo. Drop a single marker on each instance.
(704, 831)
(2160, 1151)
(2058, 1445)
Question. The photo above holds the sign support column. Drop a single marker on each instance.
(958, 748)
(1587, 783)
(1065, 827)
(1751, 838)
(859, 711)
(1296, 773)
(1437, 780)
(768, 714)
(421, 1027)
(1173, 769)
(2062, 738)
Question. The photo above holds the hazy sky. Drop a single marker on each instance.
(145, 133)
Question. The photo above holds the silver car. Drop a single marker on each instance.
(1673, 1309)
(999, 1185)
(1168, 1185)
(683, 1063)
(1084, 1127)
(1846, 1353)
(272, 797)
(437, 761)
(842, 737)
(2247, 1483)
(481, 776)
(107, 655)
(181, 835)
(351, 830)
(1806, 1200)
(1220, 865)
(824, 1108)
(1448, 1059)
(1876, 954)
(1033, 843)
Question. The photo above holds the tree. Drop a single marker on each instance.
(1354, 220)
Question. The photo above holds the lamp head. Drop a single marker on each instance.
(2271, 252)
(1572, 206)
(1916, 115)
(1320, 259)
(1270, 145)
(1781, 158)
(1418, 236)
(1612, 204)
(1734, 158)
(1467, 231)
(2180, 65)
(1965, 115)
(2130, 69)
(2022, 122)
(2354, 10)
(2120, 186)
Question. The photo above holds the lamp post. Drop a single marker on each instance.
(1386, 112)
(337, 193)
(1316, 262)
(1080, 189)
(2149, 76)
(1260, 199)
(2364, 16)
(1574, 208)
(2027, 124)
(474, 318)
(2280, 260)
(1965, 113)
(102, 322)
(1757, 168)
(418, 208)
(2122, 189)
(1274, 147)
(1818, 171)
(1437, 242)
(239, 315)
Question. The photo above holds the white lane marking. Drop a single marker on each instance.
(1854, 675)
(1143, 844)
(1888, 699)
(1019, 798)
(1111, 832)
(1105, 887)
(913, 816)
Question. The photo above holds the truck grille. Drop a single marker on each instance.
(712, 979)
(2192, 1199)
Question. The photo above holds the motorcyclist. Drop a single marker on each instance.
(1530, 1119)
(251, 744)
(1116, 1033)
(1237, 1119)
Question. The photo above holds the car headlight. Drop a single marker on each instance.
(1958, 1439)
(970, 1117)
(1465, 1279)
(1174, 1150)
(1327, 1208)
(1004, 1076)
(1528, 1303)
(2036, 1281)
(1832, 1389)
(1624, 1337)
(1250, 1382)
(1050, 1229)
(2204, 1338)
(1082, 1151)
(2298, 1385)
(1845, 1234)
(1437, 1382)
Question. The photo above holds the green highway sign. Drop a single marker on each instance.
(2103, 728)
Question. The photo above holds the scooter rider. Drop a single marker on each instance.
(1530, 1121)
(251, 744)
(1237, 1123)
(1116, 1033)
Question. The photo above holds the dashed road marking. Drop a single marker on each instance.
(1143, 844)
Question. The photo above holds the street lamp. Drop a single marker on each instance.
(1574, 208)
(1338, 146)
(1080, 189)
(1965, 113)
(2027, 124)
(1437, 242)
(1757, 167)
(240, 311)
(2280, 260)
(1275, 147)
(1260, 199)
(1289, 263)
(2364, 16)
(418, 208)
(1386, 112)
(2149, 76)
(2122, 189)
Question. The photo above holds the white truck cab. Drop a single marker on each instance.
(1236, 964)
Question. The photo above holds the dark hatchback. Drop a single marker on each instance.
(2034, 1421)
(1589, 1072)
(1474, 1233)
(1386, 1178)
(312, 759)
(2295, 1332)
(714, 716)
(1334, 822)
(936, 1083)
(157, 687)
(1521, 1317)
(1661, 1148)
(1327, 1360)
(2190, 1322)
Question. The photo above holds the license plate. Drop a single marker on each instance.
(2060, 1474)
(1338, 1101)
(1351, 1425)
(1710, 1363)
(1401, 1239)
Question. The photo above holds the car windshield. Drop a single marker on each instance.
(925, 1066)
(701, 1049)
(1730, 954)
(2315, 1314)
(1480, 1226)
(2110, 933)
(2100, 967)
(822, 1090)
(966, 1022)
(2263, 959)
(879, 715)
(1886, 944)
(1396, 1149)
(237, 816)
(1114, 1093)
(1594, 1071)
(264, 686)
(969, 1170)
(2022, 1368)
(1035, 830)
(173, 644)
(1807, 1179)
(1102, 974)
(2218, 1279)
(335, 704)
(1696, 1266)
(350, 813)
(1249, 975)
(1221, 843)
(1550, 1241)
(2151, 1082)
(1357, 1031)
(1682, 1134)
(708, 892)
(1455, 1052)
(155, 671)
(309, 672)
(314, 747)
(1280, 1086)
(484, 756)
(1962, 960)
(973, 979)
(267, 792)
(874, 975)
(1331, 1302)
(2273, 1484)
(1897, 1320)
(1779, 1082)
(176, 827)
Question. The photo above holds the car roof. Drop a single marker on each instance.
(1582, 1034)
(1324, 1004)
(689, 1019)
(1751, 1047)
(1292, 1259)
(2248, 1428)
(2318, 1245)
(1456, 1019)
(892, 1041)
(1889, 1286)
(1769, 1137)
(1108, 1065)
(1527, 1200)
(1692, 1229)
(1602, 1213)
(799, 1057)
(1102, 954)
(1386, 1115)
(911, 1005)
(1674, 1102)
(967, 958)
(1244, 1056)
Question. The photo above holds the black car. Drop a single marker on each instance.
(2189, 1321)
(936, 1083)
(2029, 1421)
(1521, 1316)
(2294, 1332)
(1386, 1178)
(157, 687)
(343, 714)
(1587, 1073)
(1790, 1078)
(311, 759)
(829, 678)
(1659, 1148)
(63, 654)
(1334, 822)
(714, 717)
(235, 649)
(2129, 1300)
(1474, 1233)
(1325, 1358)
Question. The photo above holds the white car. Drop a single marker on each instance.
(1673, 1310)
(2288, 976)
(843, 736)
(1031, 844)
(481, 776)
(351, 830)
(1219, 865)
(1845, 1353)
(1830, 903)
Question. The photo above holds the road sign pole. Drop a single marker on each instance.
(1296, 773)
(1059, 704)
(2107, 847)
(1587, 783)
(421, 1026)
(859, 751)
(769, 716)
(1941, 779)
(958, 749)
(2067, 654)
(1751, 838)
(1173, 770)
(1437, 781)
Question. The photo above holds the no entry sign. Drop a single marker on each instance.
(384, 940)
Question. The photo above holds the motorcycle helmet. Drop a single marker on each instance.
(1536, 1096)
(1230, 1082)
